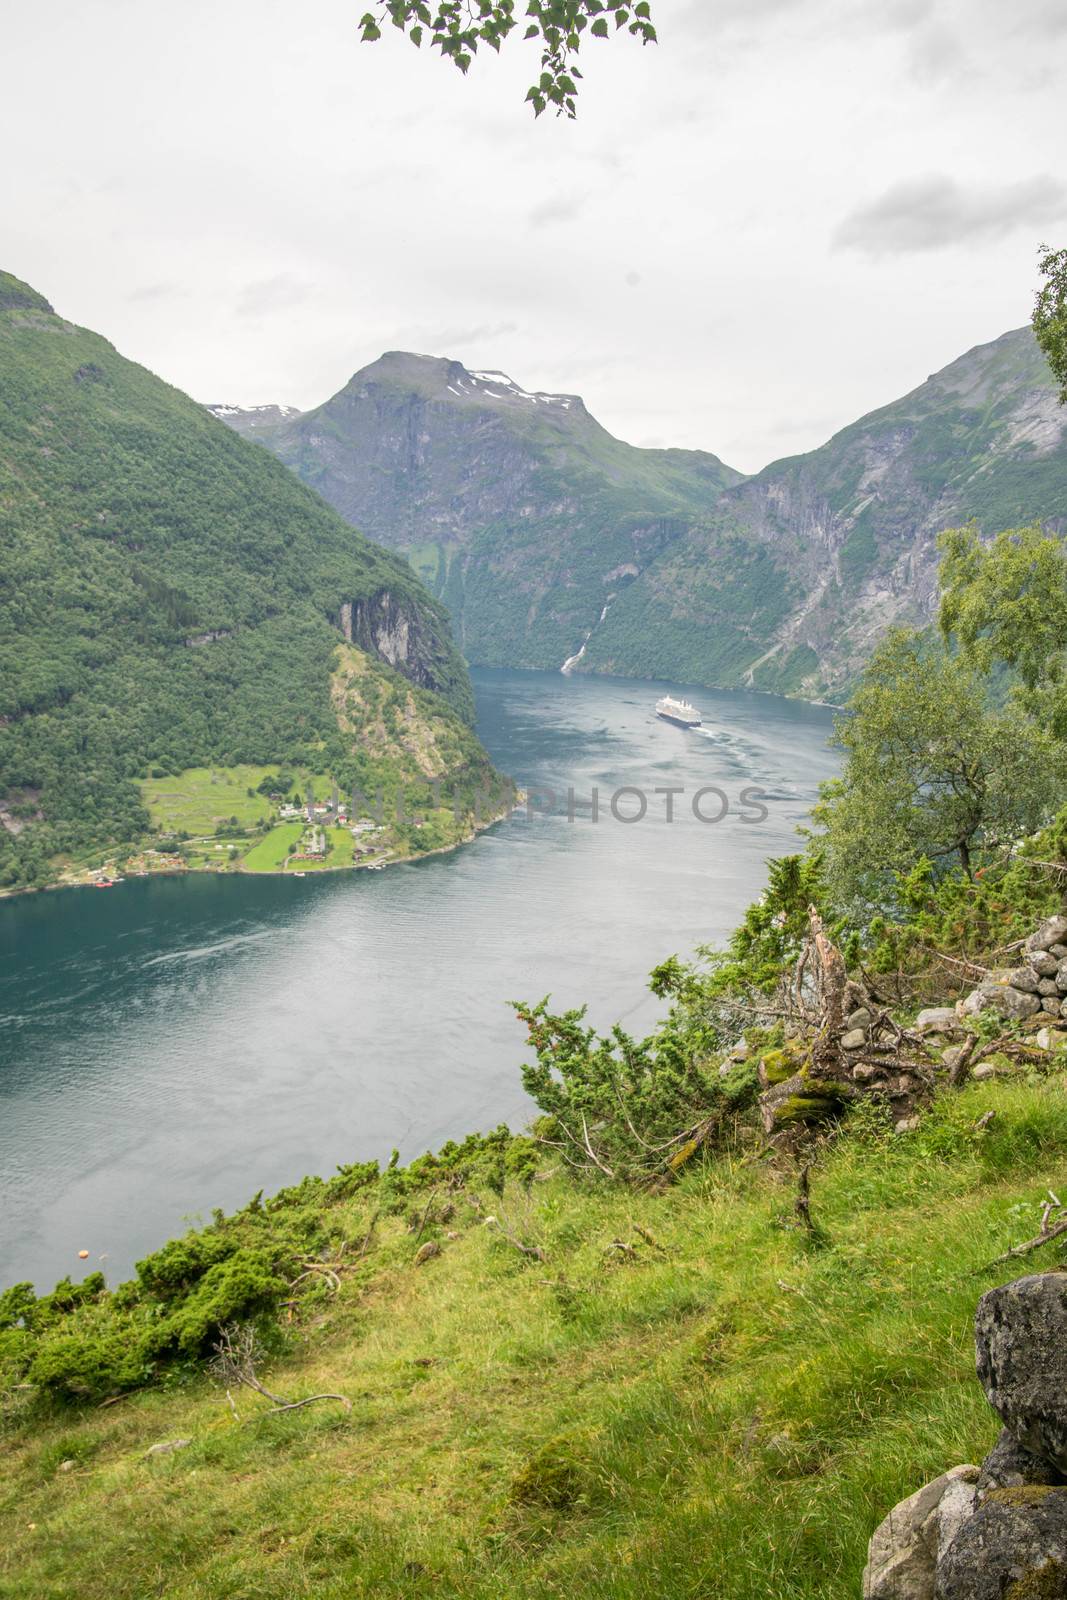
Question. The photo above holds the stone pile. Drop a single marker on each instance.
(1034, 992)
(998, 1531)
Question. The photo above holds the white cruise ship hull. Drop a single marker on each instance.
(679, 722)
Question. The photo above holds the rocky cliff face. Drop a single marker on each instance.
(392, 629)
(546, 537)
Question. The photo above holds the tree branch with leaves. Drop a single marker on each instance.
(459, 27)
(1050, 314)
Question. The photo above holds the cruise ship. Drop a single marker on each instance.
(679, 711)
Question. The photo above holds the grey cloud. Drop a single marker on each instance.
(557, 208)
(441, 340)
(934, 212)
(279, 293)
(157, 292)
(937, 54)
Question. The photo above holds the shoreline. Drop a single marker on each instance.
(90, 881)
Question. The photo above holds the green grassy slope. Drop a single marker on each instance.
(686, 1397)
(172, 596)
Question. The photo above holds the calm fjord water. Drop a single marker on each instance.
(173, 1045)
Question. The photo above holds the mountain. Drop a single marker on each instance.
(173, 596)
(517, 508)
(547, 537)
(247, 420)
(797, 572)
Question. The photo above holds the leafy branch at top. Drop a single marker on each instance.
(458, 27)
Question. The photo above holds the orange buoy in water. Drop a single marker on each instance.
(83, 1255)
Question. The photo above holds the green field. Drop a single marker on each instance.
(271, 853)
(198, 799)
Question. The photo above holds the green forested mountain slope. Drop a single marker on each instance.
(170, 596)
(529, 519)
(519, 509)
(796, 573)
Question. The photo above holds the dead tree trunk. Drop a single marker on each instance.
(831, 989)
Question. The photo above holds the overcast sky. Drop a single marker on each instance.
(787, 213)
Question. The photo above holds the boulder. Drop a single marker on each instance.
(1014, 1547)
(1024, 978)
(1021, 1340)
(1047, 986)
(1052, 932)
(907, 1125)
(165, 1447)
(903, 1553)
(937, 1019)
(1051, 1006)
(984, 1069)
(953, 1055)
(854, 1039)
(994, 995)
(865, 1071)
(1059, 951)
(1044, 963)
(1009, 1466)
(1050, 1038)
(862, 1018)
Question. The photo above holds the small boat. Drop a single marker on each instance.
(678, 711)
(103, 883)
(299, 874)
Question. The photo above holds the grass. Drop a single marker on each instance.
(198, 799)
(728, 1410)
(272, 851)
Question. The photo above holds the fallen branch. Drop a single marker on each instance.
(237, 1354)
(802, 1204)
(425, 1214)
(1046, 1236)
(294, 1405)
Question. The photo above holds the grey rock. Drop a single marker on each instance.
(907, 1125)
(1023, 978)
(984, 1069)
(165, 1447)
(993, 995)
(864, 1072)
(854, 1039)
(1051, 1007)
(1059, 951)
(952, 1056)
(1047, 986)
(861, 1018)
(1009, 1466)
(937, 1019)
(1050, 1038)
(1050, 933)
(903, 1553)
(1044, 963)
(1061, 979)
(1014, 1547)
(739, 1051)
(1021, 1340)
